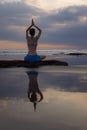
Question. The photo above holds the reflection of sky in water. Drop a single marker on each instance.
(14, 83)
(64, 105)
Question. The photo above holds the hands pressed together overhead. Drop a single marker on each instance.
(32, 22)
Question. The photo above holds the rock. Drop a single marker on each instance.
(21, 63)
(77, 54)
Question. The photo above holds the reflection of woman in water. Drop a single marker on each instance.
(33, 90)
(32, 41)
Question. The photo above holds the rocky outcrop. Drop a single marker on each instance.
(21, 63)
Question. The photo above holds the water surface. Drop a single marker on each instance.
(59, 100)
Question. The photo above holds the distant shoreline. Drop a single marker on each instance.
(46, 52)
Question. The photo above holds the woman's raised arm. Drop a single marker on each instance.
(40, 31)
(27, 34)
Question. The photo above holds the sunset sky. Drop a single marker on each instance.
(63, 23)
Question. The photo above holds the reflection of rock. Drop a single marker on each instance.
(21, 63)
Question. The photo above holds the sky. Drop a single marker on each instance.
(63, 23)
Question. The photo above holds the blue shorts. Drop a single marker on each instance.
(32, 58)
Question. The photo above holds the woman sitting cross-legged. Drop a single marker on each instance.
(32, 42)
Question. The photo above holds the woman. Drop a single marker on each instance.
(32, 41)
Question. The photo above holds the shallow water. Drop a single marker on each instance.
(63, 104)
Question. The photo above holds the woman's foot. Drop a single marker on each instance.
(42, 57)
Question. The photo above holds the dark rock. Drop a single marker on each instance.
(77, 54)
(21, 63)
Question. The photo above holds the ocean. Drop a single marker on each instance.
(50, 97)
(50, 54)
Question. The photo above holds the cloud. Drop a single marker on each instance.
(9, 1)
(66, 26)
(74, 35)
(55, 4)
(16, 15)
